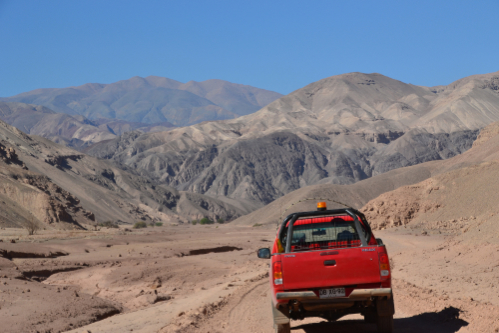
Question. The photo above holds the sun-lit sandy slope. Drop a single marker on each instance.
(167, 279)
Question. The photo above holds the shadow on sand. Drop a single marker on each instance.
(445, 321)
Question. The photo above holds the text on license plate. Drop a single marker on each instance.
(331, 293)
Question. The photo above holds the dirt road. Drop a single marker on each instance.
(208, 279)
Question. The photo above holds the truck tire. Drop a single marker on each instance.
(385, 324)
(282, 328)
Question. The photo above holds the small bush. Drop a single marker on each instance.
(194, 222)
(31, 226)
(205, 220)
(159, 224)
(257, 225)
(140, 225)
(108, 224)
(220, 221)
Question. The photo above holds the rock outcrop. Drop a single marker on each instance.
(27, 196)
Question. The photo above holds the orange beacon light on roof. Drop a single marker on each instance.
(321, 206)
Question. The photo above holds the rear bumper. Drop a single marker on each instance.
(356, 294)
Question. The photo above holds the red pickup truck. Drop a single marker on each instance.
(328, 264)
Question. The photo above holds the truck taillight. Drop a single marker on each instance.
(384, 266)
(277, 269)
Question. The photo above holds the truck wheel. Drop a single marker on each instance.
(282, 328)
(385, 324)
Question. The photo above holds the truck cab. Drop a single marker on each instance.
(328, 264)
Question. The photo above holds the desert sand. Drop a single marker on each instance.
(208, 279)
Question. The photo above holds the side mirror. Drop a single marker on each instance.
(379, 241)
(264, 253)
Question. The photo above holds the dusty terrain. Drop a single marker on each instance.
(208, 279)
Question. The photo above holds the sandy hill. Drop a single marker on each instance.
(339, 130)
(153, 100)
(63, 188)
(462, 186)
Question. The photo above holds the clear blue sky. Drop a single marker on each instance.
(271, 44)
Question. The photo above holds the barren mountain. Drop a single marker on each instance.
(120, 127)
(73, 131)
(39, 120)
(338, 130)
(237, 98)
(153, 100)
(454, 189)
(30, 197)
(461, 200)
(62, 188)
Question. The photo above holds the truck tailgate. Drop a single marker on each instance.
(330, 268)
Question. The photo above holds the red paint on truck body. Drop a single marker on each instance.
(304, 269)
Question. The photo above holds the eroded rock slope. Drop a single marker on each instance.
(62, 188)
(460, 200)
(457, 188)
(338, 130)
(74, 131)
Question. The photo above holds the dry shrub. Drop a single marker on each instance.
(31, 226)
(140, 225)
(109, 224)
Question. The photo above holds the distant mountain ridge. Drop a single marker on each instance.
(338, 130)
(73, 131)
(153, 100)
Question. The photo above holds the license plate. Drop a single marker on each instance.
(332, 293)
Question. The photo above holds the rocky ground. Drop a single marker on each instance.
(208, 279)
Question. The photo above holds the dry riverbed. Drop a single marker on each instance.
(208, 279)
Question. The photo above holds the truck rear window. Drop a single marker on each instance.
(337, 233)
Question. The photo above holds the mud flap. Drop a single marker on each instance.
(279, 317)
(385, 306)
